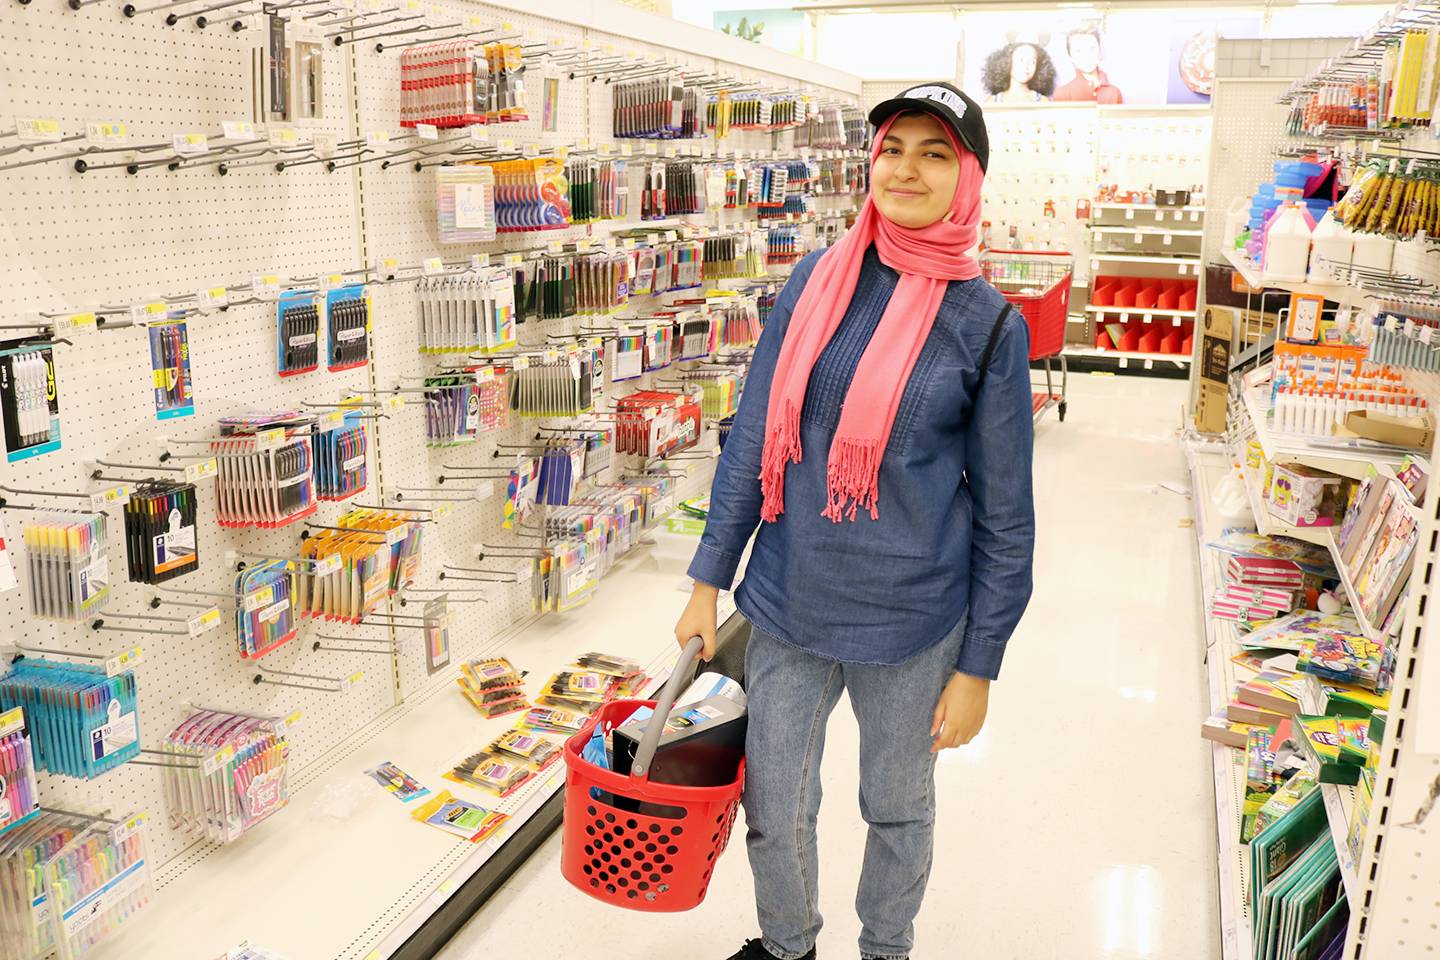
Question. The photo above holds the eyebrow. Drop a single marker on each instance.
(924, 143)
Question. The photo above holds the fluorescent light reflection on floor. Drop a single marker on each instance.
(1129, 904)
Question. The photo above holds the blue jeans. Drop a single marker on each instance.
(792, 693)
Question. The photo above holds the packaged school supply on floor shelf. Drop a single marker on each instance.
(82, 723)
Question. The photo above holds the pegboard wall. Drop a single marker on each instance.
(106, 238)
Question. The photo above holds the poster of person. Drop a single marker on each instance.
(1021, 71)
(1088, 79)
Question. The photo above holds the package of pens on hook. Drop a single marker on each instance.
(264, 608)
(96, 883)
(347, 320)
(29, 399)
(349, 570)
(19, 800)
(265, 470)
(170, 369)
(465, 203)
(160, 540)
(531, 194)
(69, 565)
(230, 773)
(340, 455)
(297, 318)
(472, 312)
(83, 721)
(26, 930)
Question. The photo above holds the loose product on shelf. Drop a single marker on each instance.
(69, 565)
(264, 607)
(467, 313)
(1378, 548)
(536, 752)
(96, 883)
(347, 312)
(19, 798)
(27, 930)
(297, 317)
(493, 686)
(30, 397)
(265, 470)
(170, 370)
(160, 537)
(1388, 199)
(397, 782)
(498, 773)
(552, 720)
(229, 772)
(661, 108)
(531, 194)
(460, 817)
(465, 203)
(459, 83)
(350, 571)
(82, 722)
(340, 457)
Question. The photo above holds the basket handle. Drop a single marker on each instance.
(650, 742)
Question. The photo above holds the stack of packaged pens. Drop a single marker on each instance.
(351, 570)
(659, 346)
(96, 883)
(19, 800)
(678, 266)
(654, 424)
(297, 318)
(531, 194)
(786, 244)
(662, 108)
(229, 773)
(340, 451)
(347, 311)
(598, 190)
(26, 930)
(29, 399)
(452, 410)
(467, 313)
(558, 387)
(493, 686)
(265, 470)
(735, 321)
(160, 536)
(69, 565)
(685, 188)
(82, 722)
(264, 612)
(459, 83)
(545, 288)
(465, 203)
(602, 282)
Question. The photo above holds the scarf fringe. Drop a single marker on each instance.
(782, 447)
(853, 478)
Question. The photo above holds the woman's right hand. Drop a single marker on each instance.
(698, 620)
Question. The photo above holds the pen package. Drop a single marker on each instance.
(531, 194)
(467, 313)
(460, 817)
(534, 751)
(340, 457)
(495, 772)
(297, 318)
(26, 930)
(266, 470)
(82, 723)
(552, 720)
(160, 540)
(347, 319)
(19, 800)
(520, 491)
(465, 203)
(69, 565)
(352, 569)
(29, 400)
(264, 607)
(170, 370)
(555, 385)
(230, 773)
(96, 883)
(452, 410)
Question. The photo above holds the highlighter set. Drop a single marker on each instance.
(82, 722)
(69, 565)
(231, 773)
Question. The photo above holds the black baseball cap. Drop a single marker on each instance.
(946, 103)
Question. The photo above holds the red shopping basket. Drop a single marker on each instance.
(635, 843)
(1037, 282)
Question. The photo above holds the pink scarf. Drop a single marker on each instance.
(926, 258)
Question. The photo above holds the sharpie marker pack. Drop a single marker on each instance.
(297, 317)
(29, 400)
(170, 370)
(160, 539)
(82, 722)
(347, 315)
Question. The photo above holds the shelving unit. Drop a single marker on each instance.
(1147, 231)
(1184, 263)
(1124, 358)
(1145, 314)
(1344, 457)
(1253, 277)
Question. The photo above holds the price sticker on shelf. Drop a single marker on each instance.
(521, 363)
(241, 130)
(329, 281)
(427, 131)
(376, 139)
(394, 402)
(628, 243)
(288, 721)
(37, 130)
(671, 150)
(484, 490)
(211, 299)
(484, 374)
(1138, 237)
(116, 496)
(479, 261)
(652, 149)
(507, 27)
(201, 470)
(397, 533)
(670, 236)
(106, 133)
(282, 136)
(1130, 214)
(514, 259)
(270, 439)
(352, 680)
(328, 566)
(505, 145)
(203, 622)
(606, 149)
(530, 150)
(626, 149)
(75, 323)
(433, 266)
(324, 145)
(266, 287)
(551, 355)
(148, 312)
(386, 268)
(479, 133)
(1167, 240)
(333, 420)
(555, 247)
(1194, 216)
(608, 244)
(124, 660)
(584, 244)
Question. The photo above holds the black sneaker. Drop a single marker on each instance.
(755, 950)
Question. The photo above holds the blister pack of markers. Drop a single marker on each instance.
(96, 884)
(82, 722)
(265, 470)
(264, 607)
(69, 565)
(228, 773)
(160, 536)
(340, 458)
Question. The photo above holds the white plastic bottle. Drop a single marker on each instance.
(1374, 251)
(1331, 248)
(1287, 246)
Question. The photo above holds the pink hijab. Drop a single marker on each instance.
(927, 259)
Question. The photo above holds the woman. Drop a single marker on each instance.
(1019, 73)
(882, 447)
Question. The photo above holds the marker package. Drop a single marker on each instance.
(264, 612)
(265, 476)
(69, 565)
(96, 883)
(160, 539)
(29, 400)
(496, 772)
(340, 458)
(82, 722)
(170, 370)
(602, 283)
(298, 323)
(19, 800)
(230, 773)
(26, 931)
(347, 315)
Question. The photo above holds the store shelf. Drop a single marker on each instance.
(1182, 262)
(1147, 231)
(1252, 276)
(1339, 802)
(1125, 313)
(346, 873)
(1125, 357)
(1149, 207)
(1345, 457)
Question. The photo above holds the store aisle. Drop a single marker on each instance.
(1080, 824)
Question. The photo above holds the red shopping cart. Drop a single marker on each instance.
(635, 843)
(1037, 283)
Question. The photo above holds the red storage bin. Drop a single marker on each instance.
(1172, 341)
(1130, 342)
(1102, 340)
(1103, 295)
(1146, 297)
(1150, 339)
(1187, 299)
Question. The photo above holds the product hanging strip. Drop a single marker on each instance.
(468, 313)
(462, 82)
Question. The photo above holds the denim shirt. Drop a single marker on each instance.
(956, 530)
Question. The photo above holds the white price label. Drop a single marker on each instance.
(106, 133)
(288, 721)
(584, 244)
(75, 323)
(37, 129)
(1194, 216)
(376, 139)
(671, 150)
(204, 622)
(480, 134)
(328, 566)
(211, 299)
(427, 131)
(552, 356)
(521, 363)
(190, 144)
(195, 472)
(352, 680)
(283, 136)
(1167, 240)
(333, 420)
(606, 149)
(628, 243)
(505, 145)
(1130, 214)
(330, 281)
(116, 496)
(433, 266)
(484, 374)
(148, 312)
(216, 760)
(123, 661)
(555, 247)
(395, 534)
(484, 490)
(530, 150)
(1138, 236)
(652, 149)
(524, 574)
(514, 259)
(479, 261)
(270, 439)
(266, 287)
(239, 130)
(626, 149)
(670, 236)
(386, 267)
(325, 144)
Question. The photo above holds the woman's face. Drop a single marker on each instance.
(915, 175)
(1022, 65)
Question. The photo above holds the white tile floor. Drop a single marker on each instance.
(1080, 825)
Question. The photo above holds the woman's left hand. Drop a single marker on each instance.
(960, 713)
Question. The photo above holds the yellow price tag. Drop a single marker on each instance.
(76, 323)
(37, 129)
(433, 266)
(395, 402)
(270, 439)
(195, 472)
(106, 133)
(353, 679)
(514, 259)
(142, 313)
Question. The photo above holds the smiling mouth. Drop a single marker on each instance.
(903, 193)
